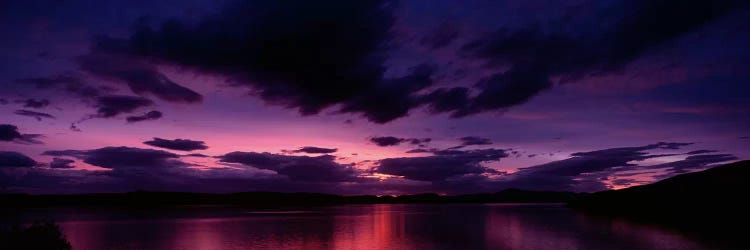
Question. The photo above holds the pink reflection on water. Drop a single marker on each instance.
(382, 227)
(510, 231)
(385, 226)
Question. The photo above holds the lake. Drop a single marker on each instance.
(382, 226)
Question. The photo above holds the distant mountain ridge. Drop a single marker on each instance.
(272, 199)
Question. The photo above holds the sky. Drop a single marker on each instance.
(369, 97)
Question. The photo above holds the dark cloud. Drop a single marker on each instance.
(625, 182)
(313, 150)
(703, 151)
(419, 141)
(15, 159)
(10, 132)
(697, 98)
(532, 57)
(474, 140)
(177, 144)
(69, 83)
(123, 157)
(30, 139)
(503, 90)
(151, 115)
(61, 163)
(298, 168)
(34, 103)
(632, 153)
(137, 168)
(582, 171)
(444, 100)
(169, 177)
(308, 57)
(400, 93)
(418, 150)
(442, 165)
(113, 105)
(197, 155)
(385, 141)
(130, 169)
(691, 163)
(673, 145)
(451, 151)
(450, 171)
(442, 36)
(37, 115)
(140, 77)
(3, 101)
(347, 55)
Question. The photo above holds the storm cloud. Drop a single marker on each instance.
(110, 106)
(307, 57)
(582, 172)
(299, 168)
(113, 105)
(10, 132)
(442, 165)
(534, 59)
(385, 141)
(703, 151)
(69, 83)
(313, 150)
(34, 103)
(140, 77)
(474, 140)
(690, 164)
(151, 115)
(556, 93)
(14, 159)
(177, 144)
(442, 36)
(122, 157)
(61, 163)
(36, 115)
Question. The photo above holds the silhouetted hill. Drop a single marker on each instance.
(710, 202)
(269, 199)
(35, 236)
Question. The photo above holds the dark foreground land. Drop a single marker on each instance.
(712, 203)
(37, 236)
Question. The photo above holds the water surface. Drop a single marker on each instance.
(384, 226)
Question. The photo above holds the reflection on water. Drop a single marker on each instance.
(501, 226)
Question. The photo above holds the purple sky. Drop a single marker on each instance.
(375, 97)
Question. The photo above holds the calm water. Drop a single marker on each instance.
(500, 226)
